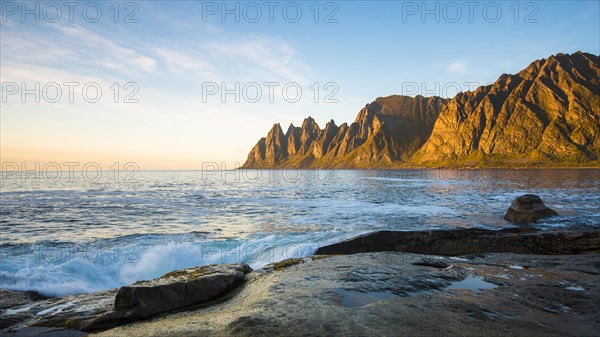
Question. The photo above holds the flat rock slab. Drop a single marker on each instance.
(472, 241)
(386, 294)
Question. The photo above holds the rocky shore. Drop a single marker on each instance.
(470, 282)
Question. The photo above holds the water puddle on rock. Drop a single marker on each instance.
(355, 299)
(474, 283)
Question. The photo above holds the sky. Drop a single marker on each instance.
(187, 84)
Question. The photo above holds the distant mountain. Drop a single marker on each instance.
(547, 115)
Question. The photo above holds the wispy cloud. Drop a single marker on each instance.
(271, 56)
(111, 53)
(458, 67)
(70, 45)
(209, 58)
(184, 63)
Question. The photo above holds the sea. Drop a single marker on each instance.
(63, 234)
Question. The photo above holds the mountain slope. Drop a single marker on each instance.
(546, 115)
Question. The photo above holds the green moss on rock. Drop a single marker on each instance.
(286, 263)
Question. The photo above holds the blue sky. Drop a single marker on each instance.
(175, 52)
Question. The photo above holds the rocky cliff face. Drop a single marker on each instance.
(546, 115)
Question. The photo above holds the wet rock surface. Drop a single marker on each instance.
(386, 294)
(528, 208)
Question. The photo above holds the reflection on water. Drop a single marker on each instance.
(474, 283)
(354, 299)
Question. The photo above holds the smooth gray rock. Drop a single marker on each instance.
(528, 208)
(179, 289)
(172, 291)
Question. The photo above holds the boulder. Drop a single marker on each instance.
(179, 289)
(172, 291)
(528, 208)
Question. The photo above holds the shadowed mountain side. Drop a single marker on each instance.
(386, 131)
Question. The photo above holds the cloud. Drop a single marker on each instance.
(106, 49)
(272, 56)
(458, 67)
(61, 45)
(23, 72)
(186, 64)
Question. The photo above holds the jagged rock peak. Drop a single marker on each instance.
(309, 123)
(275, 130)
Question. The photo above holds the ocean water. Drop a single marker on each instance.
(70, 234)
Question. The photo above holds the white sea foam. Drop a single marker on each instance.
(78, 275)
